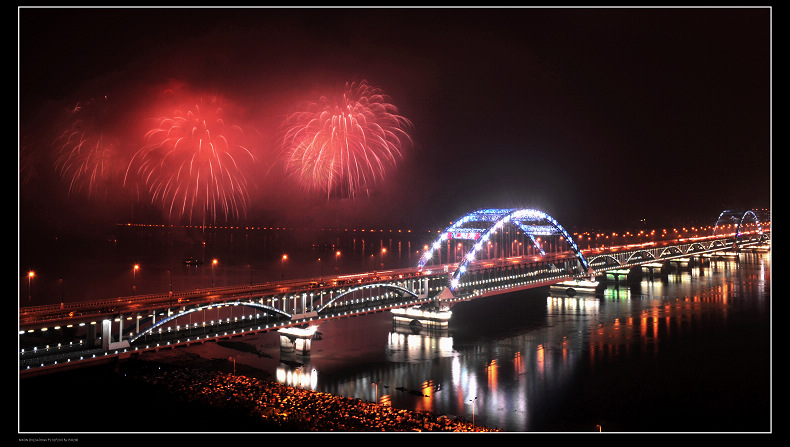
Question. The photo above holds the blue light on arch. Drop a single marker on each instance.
(493, 219)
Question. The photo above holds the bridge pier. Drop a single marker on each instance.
(574, 287)
(430, 317)
(680, 264)
(421, 288)
(652, 267)
(617, 274)
(108, 343)
(296, 340)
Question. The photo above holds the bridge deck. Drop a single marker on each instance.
(54, 335)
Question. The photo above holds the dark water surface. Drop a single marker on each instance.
(690, 352)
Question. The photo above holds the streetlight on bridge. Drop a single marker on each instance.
(213, 263)
(134, 276)
(30, 276)
(282, 266)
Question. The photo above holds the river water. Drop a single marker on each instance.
(689, 352)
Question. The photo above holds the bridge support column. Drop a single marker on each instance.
(421, 288)
(295, 344)
(296, 340)
(106, 334)
(680, 264)
(616, 275)
(90, 335)
(652, 268)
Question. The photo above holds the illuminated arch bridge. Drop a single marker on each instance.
(395, 291)
(476, 230)
(740, 222)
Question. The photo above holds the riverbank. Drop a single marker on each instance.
(186, 393)
(279, 407)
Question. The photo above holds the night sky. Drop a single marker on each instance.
(598, 117)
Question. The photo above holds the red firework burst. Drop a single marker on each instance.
(87, 154)
(194, 162)
(345, 147)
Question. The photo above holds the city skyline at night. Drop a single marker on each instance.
(597, 116)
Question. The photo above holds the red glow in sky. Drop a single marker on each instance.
(344, 147)
(573, 111)
(87, 152)
(194, 163)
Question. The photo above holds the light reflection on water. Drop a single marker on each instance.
(506, 380)
(522, 365)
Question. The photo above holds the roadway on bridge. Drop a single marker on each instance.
(539, 269)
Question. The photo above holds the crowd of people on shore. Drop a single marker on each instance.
(289, 408)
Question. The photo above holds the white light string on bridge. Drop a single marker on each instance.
(178, 315)
(737, 218)
(495, 219)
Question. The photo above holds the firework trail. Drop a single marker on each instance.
(27, 163)
(345, 147)
(193, 164)
(87, 157)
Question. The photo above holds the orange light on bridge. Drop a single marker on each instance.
(30, 276)
(135, 268)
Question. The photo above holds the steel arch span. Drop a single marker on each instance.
(393, 287)
(175, 316)
(737, 218)
(478, 226)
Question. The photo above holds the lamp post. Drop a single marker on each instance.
(213, 263)
(473, 409)
(337, 255)
(134, 276)
(30, 276)
(282, 266)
